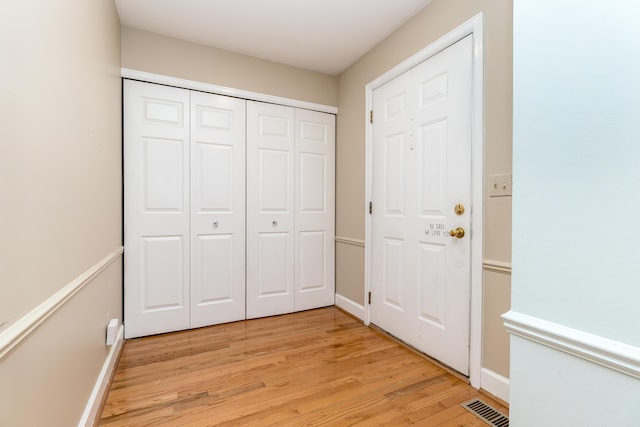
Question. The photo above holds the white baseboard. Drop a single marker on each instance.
(350, 306)
(90, 415)
(495, 384)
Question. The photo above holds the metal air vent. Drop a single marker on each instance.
(486, 413)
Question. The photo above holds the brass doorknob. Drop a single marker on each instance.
(458, 232)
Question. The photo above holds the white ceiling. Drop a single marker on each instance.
(319, 35)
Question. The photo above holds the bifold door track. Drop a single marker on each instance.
(486, 413)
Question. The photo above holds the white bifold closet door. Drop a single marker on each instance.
(314, 209)
(270, 209)
(217, 209)
(184, 209)
(156, 218)
(290, 209)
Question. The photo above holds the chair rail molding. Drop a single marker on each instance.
(603, 351)
(15, 334)
(497, 266)
(350, 241)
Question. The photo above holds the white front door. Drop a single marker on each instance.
(156, 209)
(270, 209)
(314, 209)
(217, 209)
(420, 274)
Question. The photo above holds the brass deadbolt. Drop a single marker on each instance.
(459, 209)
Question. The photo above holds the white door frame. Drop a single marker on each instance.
(474, 27)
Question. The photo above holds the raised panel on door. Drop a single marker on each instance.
(314, 209)
(274, 180)
(274, 263)
(270, 209)
(312, 282)
(217, 209)
(156, 217)
(163, 175)
(421, 171)
(432, 284)
(392, 280)
(162, 270)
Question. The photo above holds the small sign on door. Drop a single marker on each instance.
(435, 230)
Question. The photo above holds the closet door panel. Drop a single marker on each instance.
(312, 261)
(273, 264)
(156, 193)
(273, 181)
(217, 209)
(162, 272)
(270, 209)
(163, 174)
(314, 209)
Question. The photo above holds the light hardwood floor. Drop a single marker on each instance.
(319, 367)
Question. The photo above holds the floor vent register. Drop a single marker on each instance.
(486, 413)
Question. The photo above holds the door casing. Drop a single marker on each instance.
(474, 27)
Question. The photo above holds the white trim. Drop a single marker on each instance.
(91, 411)
(350, 306)
(603, 351)
(223, 90)
(494, 383)
(349, 241)
(473, 26)
(20, 330)
(498, 266)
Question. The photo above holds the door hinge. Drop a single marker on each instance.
(369, 297)
(370, 207)
(370, 116)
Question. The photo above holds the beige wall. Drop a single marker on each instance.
(438, 18)
(346, 254)
(60, 186)
(159, 54)
(496, 301)
(47, 380)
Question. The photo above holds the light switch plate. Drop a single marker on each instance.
(500, 185)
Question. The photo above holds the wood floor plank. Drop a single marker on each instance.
(315, 368)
